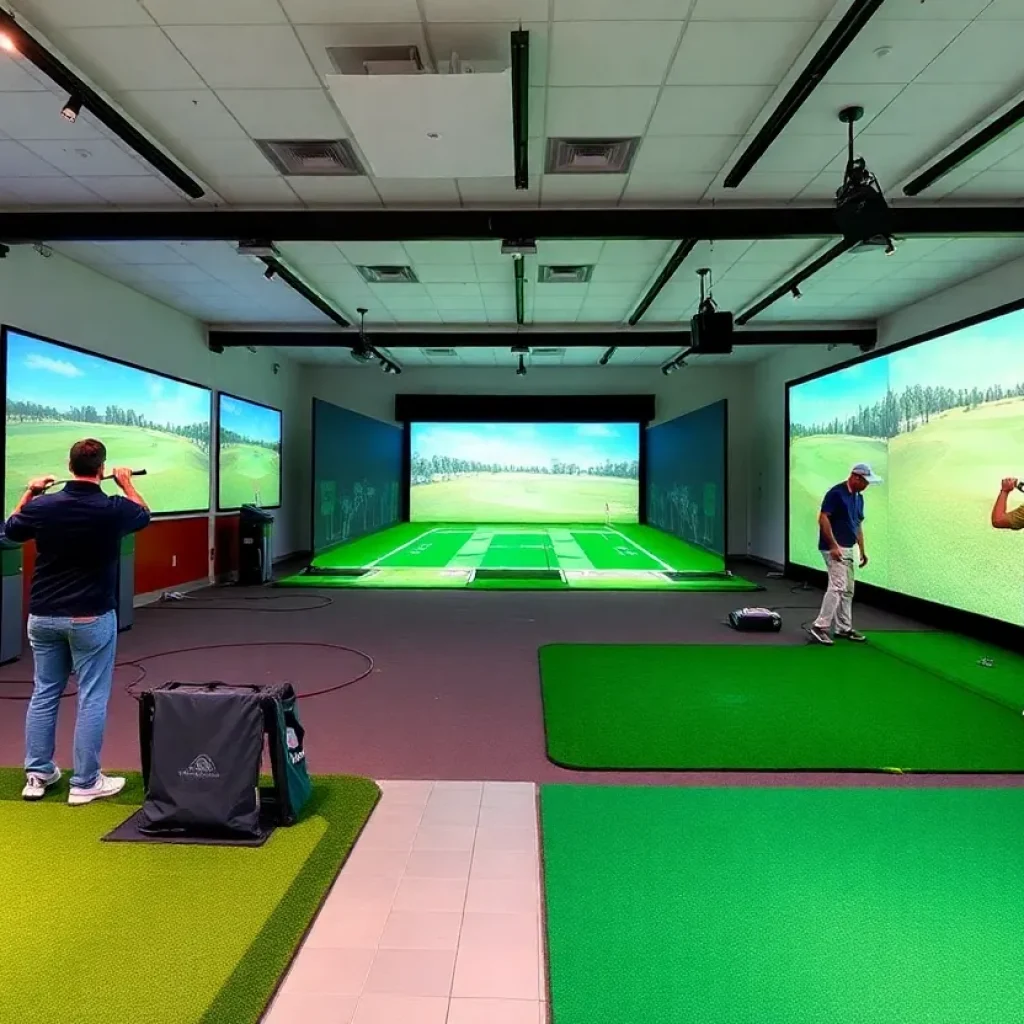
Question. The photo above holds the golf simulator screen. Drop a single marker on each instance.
(58, 395)
(248, 454)
(941, 422)
(524, 472)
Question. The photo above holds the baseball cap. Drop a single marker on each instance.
(864, 470)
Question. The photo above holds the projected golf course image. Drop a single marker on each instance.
(942, 422)
(524, 472)
(249, 454)
(57, 396)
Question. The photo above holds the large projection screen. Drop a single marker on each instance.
(248, 453)
(942, 422)
(57, 395)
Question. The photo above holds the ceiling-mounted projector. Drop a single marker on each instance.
(861, 209)
(710, 329)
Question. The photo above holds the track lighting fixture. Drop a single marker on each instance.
(72, 108)
(43, 249)
(270, 273)
(7, 44)
(4, 250)
(890, 247)
(796, 293)
(676, 363)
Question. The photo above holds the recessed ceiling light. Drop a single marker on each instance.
(433, 135)
(7, 43)
(882, 52)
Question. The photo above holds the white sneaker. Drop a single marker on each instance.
(36, 785)
(102, 787)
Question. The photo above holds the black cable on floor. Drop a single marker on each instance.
(186, 602)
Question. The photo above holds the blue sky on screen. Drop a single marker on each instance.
(528, 444)
(38, 371)
(840, 393)
(255, 421)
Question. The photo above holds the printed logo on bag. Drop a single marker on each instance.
(291, 739)
(201, 768)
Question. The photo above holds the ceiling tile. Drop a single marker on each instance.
(537, 113)
(61, 191)
(217, 12)
(759, 185)
(568, 251)
(739, 53)
(662, 157)
(615, 10)
(694, 110)
(122, 59)
(329, 12)
(317, 38)
(182, 114)
(255, 191)
(245, 56)
(335, 191)
(611, 53)
(446, 273)
(741, 10)
(36, 115)
(284, 113)
(316, 254)
(61, 14)
(581, 189)
(375, 254)
(800, 153)
(133, 191)
(922, 109)
(580, 113)
(488, 251)
(994, 184)
(984, 52)
(1007, 10)
(615, 273)
(485, 10)
(95, 157)
(397, 192)
(15, 78)
(625, 251)
(495, 273)
(820, 113)
(439, 252)
(138, 253)
(498, 191)
(489, 47)
(228, 159)
(912, 46)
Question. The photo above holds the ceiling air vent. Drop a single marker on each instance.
(312, 159)
(388, 275)
(550, 353)
(564, 274)
(440, 353)
(376, 60)
(590, 156)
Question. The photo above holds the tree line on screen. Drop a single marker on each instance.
(444, 467)
(113, 415)
(232, 437)
(913, 407)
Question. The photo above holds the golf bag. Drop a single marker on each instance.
(202, 747)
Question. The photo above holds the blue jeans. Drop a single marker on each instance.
(61, 646)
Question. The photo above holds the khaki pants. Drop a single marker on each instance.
(837, 605)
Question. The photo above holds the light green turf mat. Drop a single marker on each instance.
(111, 933)
(768, 706)
(783, 906)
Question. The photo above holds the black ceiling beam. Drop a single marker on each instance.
(683, 249)
(61, 75)
(966, 150)
(787, 286)
(520, 276)
(718, 223)
(521, 108)
(392, 340)
(848, 28)
(290, 278)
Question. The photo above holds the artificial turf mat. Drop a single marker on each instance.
(98, 933)
(771, 706)
(783, 906)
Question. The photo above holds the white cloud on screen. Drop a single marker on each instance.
(594, 430)
(48, 365)
(508, 449)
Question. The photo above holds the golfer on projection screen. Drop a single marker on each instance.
(840, 530)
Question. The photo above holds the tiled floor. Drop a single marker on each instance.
(435, 919)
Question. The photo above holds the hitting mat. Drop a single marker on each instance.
(783, 906)
(184, 934)
(772, 706)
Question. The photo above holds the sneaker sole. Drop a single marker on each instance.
(32, 797)
(80, 801)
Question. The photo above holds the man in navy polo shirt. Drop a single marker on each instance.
(840, 530)
(72, 625)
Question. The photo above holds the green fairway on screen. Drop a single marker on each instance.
(248, 454)
(942, 422)
(524, 472)
(58, 395)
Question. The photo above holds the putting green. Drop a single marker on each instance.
(783, 906)
(781, 707)
(162, 933)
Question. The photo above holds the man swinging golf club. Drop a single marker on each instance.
(840, 530)
(72, 625)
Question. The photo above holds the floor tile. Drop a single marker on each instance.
(458, 787)
(306, 1008)
(494, 1011)
(364, 862)
(438, 864)
(445, 837)
(377, 1009)
(412, 972)
(524, 839)
(405, 814)
(348, 927)
(353, 890)
(496, 793)
(499, 931)
(421, 929)
(496, 973)
(509, 816)
(431, 894)
(388, 835)
(502, 896)
(339, 972)
(451, 812)
(405, 792)
(499, 864)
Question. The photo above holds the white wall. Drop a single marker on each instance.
(366, 390)
(768, 454)
(68, 302)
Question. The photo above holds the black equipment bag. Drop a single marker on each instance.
(202, 747)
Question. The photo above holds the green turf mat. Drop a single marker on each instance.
(433, 550)
(613, 553)
(355, 553)
(97, 933)
(766, 706)
(679, 554)
(783, 906)
(957, 658)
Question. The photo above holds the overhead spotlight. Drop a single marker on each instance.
(4, 250)
(43, 249)
(270, 273)
(890, 247)
(361, 351)
(7, 43)
(678, 363)
(796, 293)
(72, 108)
